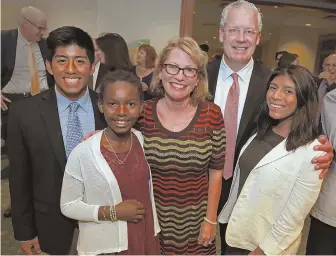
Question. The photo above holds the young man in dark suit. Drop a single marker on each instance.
(16, 73)
(42, 132)
(238, 85)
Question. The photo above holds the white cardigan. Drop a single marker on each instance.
(274, 202)
(87, 184)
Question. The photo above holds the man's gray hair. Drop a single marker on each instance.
(240, 4)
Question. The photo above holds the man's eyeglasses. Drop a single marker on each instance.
(174, 70)
(42, 29)
(236, 32)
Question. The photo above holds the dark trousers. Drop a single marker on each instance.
(226, 185)
(321, 238)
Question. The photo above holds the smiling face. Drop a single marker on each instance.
(281, 98)
(178, 87)
(329, 64)
(121, 106)
(239, 48)
(71, 69)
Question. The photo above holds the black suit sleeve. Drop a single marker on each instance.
(20, 178)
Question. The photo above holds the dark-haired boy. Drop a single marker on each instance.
(42, 132)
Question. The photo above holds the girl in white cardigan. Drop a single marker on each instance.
(107, 183)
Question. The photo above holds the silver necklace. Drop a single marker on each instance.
(171, 119)
(119, 161)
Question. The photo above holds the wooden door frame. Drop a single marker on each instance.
(187, 18)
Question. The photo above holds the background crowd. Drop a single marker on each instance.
(224, 142)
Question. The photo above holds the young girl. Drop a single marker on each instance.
(107, 184)
(274, 177)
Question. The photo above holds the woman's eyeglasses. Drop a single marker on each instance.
(174, 70)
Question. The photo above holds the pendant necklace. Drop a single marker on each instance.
(171, 119)
(119, 161)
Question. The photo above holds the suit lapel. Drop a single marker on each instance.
(101, 72)
(43, 48)
(276, 153)
(11, 51)
(99, 118)
(255, 91)
(213, 71)
(50, 117)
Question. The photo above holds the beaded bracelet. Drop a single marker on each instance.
(104, 212)
(113, 213)
(209, 221)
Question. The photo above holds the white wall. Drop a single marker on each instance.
(156, 20)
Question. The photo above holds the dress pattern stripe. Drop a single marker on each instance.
(180, 163)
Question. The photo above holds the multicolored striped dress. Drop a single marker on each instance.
(180, 164)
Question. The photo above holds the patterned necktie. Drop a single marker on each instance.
(34, 79)
(231, 122)
(74, 129)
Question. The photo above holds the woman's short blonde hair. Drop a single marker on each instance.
(200, 58)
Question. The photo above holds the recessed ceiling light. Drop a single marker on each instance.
(270, 34)
(214, 37)
(308, 25)
(194, 12)
(206, 42)
(276, 6)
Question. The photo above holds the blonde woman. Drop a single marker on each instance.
(184, 142)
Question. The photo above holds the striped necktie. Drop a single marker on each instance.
(74, 129)
(231, 122)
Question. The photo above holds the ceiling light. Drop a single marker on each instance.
(206, 42)
(270, 34)
(276, 6)
(308, 25)
(214, 37)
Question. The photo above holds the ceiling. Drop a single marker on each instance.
(208, 13)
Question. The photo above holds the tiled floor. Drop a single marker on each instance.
(11, 247)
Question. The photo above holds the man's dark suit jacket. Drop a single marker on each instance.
(8, 55)
(255, 97)
(37, 161)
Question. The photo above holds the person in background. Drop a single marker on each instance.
(93, 79)
(23, 72)
(204, 47)
(277, 184)
(111, 194)
(239, 84)
(42, 131)
(327, 76)
(184, 145)
(277, 57)
(113, 52)
(146, 57)
(287, 59)
(321, 238)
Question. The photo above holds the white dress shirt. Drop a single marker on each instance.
(224, 82)
(21, 81)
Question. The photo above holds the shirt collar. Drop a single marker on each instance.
(244, 73)
(63, 102)
(21, 38)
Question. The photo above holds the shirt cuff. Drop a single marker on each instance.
(95, 214)
(270, 247)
